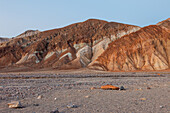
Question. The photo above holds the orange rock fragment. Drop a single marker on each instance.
(142, 98)
(109, 87)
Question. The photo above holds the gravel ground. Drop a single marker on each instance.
(61, 89)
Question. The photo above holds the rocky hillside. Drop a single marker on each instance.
(145, 49)
(93, 43)
(165, 24)
(73, 46)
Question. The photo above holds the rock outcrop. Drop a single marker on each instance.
(145, 49)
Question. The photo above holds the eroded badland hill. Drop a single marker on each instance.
(95, 44)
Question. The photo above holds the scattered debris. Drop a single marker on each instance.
(122, 88)
(56, 111)
(71, 106)
(39, 97)
(109, 87)
(15, 104)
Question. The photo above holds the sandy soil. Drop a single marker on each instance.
(61, 88)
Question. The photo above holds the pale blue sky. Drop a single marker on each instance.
(16, 16)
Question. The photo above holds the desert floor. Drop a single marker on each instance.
(146, 92)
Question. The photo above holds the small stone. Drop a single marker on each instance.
(35, 104)
(93, 88)
(55, 98)
(139, 89)
(122, 88)
(71, 106)
(148, 88)
(109, 87)
(142, 98)
(15, 104)
(79, 90)
(56, 111)
(159, 74)
(39, 97)
(17, 97)
(161, 106)
(87, 96)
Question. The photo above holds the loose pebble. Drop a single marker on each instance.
(93, 88)
(161, 106)
(39, 97)
(87, 96)
(15, 104)
(56, 111)
(35, 104)
(139, 89)
(148, 88)
(122, 88)
(142, 98)
(71, 106)
(109, 87)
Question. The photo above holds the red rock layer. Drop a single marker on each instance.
(145, 49)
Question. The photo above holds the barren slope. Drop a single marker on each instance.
(146, 49)
(73, 46)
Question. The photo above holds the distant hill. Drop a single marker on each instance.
(27, 33)
(3, 39)
(93, 43)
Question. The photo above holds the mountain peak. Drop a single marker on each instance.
(28, 33)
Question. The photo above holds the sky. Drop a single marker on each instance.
(17, 16)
